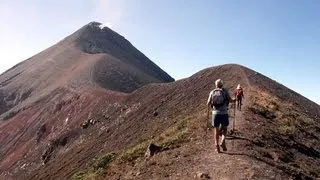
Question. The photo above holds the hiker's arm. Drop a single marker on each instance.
(209, 105)
(209, 100)
(229, 97)
(232, 100)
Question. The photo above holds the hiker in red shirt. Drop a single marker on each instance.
(239, 96)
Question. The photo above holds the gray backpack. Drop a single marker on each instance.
(218, 98)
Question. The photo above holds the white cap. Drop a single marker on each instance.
(239, 86)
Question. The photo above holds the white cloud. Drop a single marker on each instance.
(111, 13)
(107, 24)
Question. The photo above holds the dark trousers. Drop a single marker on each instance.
(239, 103)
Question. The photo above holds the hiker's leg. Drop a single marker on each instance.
(237, 102)
(223, 139)
(213, 130)
(216, 135)
(224, 133)
(216, 142)
(216, 123)
(224, 123)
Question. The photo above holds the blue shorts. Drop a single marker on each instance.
(220, 119)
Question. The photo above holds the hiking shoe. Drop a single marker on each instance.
(223, 146)
(218, 149)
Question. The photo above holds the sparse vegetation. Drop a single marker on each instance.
(291, 131)
(133, 152)
(286, 129)
(78, 176)
(174, 139)
(308, 120)
(97, 168)
(262, 110)
(175, 135)
(103, 161)
(168, 139)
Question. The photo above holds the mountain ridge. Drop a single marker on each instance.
(67, 110)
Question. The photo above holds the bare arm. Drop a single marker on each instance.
(209, 104)
(209, 99)
(232, 100)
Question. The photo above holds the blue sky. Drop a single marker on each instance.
(278, 38)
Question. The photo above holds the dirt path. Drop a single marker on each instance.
(234, 163)
(231, 164)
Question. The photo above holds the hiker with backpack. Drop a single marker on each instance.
(239, 96)
(218, 101)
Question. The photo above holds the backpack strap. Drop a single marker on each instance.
(222, 90)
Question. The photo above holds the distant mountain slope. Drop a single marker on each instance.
(91, 57)
(51, 94)
(95, 40)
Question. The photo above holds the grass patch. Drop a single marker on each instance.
(307, 120)
(287, 129)
(78, 176)
(263, 111)
(97, 168)
(102, 162)
(173, 140)
(174, 135)
(134, 152)
(92, 176)
(170, 138)
(180, 125)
